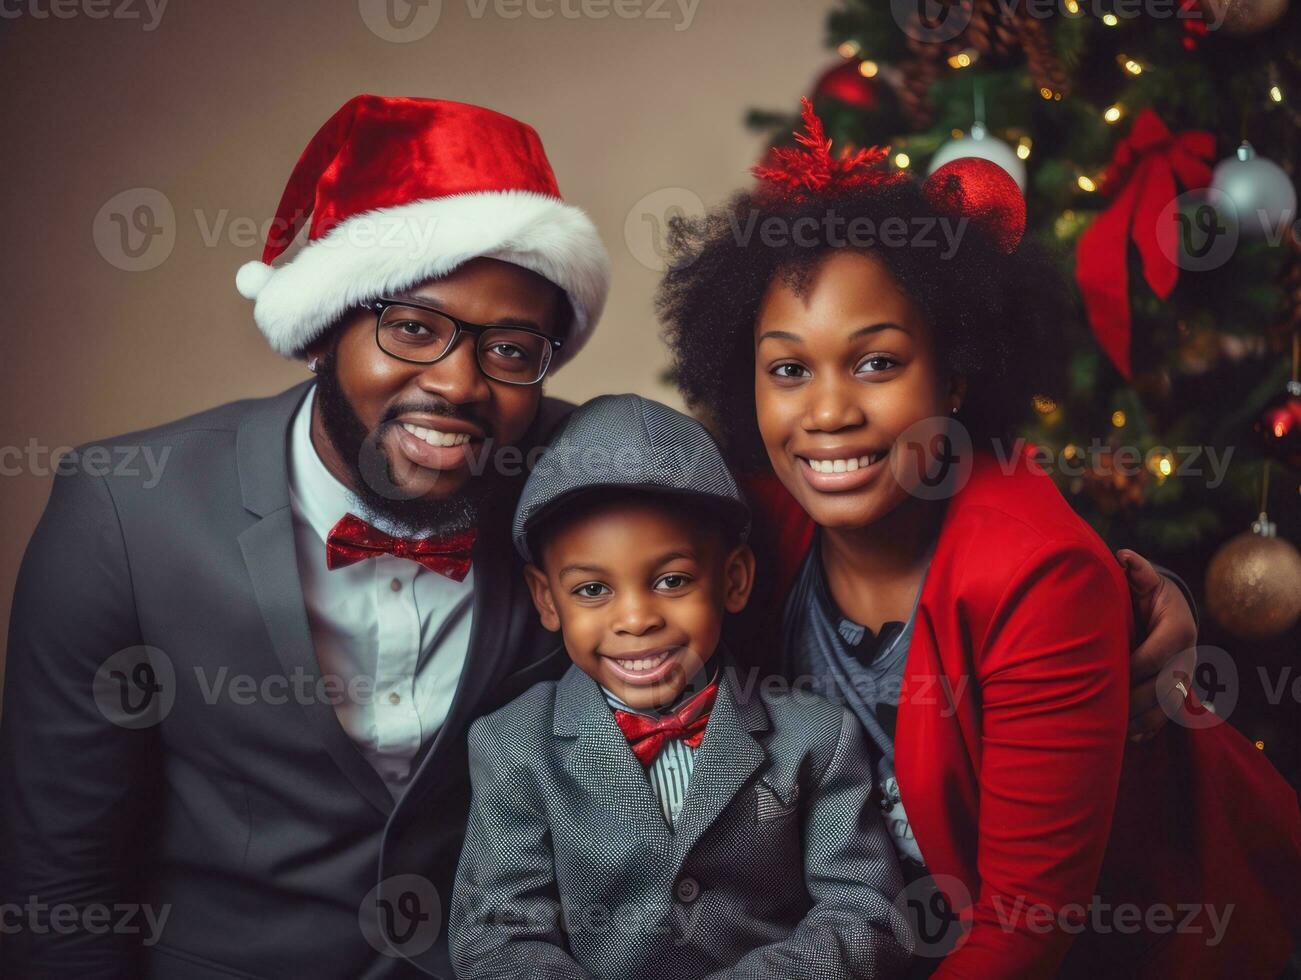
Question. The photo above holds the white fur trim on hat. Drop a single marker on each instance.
(392, 249)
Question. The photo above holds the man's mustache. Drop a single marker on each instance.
(440, 407)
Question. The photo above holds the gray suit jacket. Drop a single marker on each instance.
(778, 864)
(254, 825)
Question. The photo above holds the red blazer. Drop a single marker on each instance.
(1011, 757)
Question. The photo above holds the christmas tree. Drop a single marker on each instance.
(1155, 143)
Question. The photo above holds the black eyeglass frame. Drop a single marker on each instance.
(475, 330)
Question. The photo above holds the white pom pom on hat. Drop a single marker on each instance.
(252, 276)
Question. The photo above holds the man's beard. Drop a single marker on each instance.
(370, 470)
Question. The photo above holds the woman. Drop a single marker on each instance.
(976, 625)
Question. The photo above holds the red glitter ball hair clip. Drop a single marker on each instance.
(972, 188)
(984, 193)
(814, 172)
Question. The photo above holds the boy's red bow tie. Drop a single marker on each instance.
(647, 735)
(353, 540)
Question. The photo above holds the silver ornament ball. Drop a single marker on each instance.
(1260, 192)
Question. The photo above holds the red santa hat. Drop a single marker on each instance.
(404, 190)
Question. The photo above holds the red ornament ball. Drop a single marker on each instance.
(845, 83)
(1279, 426)
(978, 189)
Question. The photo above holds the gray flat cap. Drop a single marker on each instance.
(628, 442)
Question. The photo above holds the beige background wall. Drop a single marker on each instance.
(207, 106)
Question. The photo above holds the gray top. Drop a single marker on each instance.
(863, 670)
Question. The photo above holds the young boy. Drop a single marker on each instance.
(658, 813)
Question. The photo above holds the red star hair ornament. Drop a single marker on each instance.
(812, 171)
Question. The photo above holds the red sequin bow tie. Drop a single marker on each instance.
(353, 540)
(647, 735)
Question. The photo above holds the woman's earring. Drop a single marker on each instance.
(953, 412)
(311, 366)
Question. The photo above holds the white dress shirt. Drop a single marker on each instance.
(393, 633)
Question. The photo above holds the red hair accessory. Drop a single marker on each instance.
(812, 171)
(983, 192)
(969, 187)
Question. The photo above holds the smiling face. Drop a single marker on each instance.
(403, 434)
(639, 592)
(843, 366)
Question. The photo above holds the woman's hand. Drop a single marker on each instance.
(1160, 664)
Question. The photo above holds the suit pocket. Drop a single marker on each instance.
(775, 802)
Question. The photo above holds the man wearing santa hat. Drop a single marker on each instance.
(233, 741)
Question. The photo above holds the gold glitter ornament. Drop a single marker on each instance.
(1253, 584)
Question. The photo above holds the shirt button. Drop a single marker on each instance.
(687, 890)
(395, 698)
(395, 585)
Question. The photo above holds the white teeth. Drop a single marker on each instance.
(643, 663)
(436, 438)
(842, 465)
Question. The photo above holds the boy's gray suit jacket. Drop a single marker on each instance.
(778, 864)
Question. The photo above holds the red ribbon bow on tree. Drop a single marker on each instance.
(647, 735)
(353, 540)
(1142, 182)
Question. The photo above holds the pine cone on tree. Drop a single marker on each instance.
(926, 62)
(990, 32)
(1289, 324)
(993, 28)
(919, 74)
(1046, 69)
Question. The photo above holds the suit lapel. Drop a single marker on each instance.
(603, 765)
(269, 555)
(729, 755)
(499, 609)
